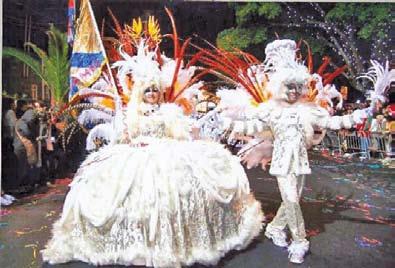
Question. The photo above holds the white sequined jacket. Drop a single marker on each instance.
(292, 127)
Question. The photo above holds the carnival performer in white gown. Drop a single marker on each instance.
(155, 197)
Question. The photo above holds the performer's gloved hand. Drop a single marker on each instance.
(359, 115)
(209, 118)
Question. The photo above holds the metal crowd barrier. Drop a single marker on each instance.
(376, 144)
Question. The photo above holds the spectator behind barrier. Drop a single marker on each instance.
(26, 131)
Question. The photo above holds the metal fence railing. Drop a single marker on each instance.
(375, 144)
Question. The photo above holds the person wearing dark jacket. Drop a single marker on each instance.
(26, 131)
(8, 158)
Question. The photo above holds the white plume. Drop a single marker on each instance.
(233, 98)
(380, 76)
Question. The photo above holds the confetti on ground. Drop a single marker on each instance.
(342, 180)
(35, 197)
(366, 242)
(312, 232)
(309, 199)
(375, 166)
(25, 232)
(35, 254)
(34, 202)
(65, 181)
(50, 214)
(4, 212)
(3, 224)
(327, 210)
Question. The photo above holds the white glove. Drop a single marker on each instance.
(359, 115)
(214, 119)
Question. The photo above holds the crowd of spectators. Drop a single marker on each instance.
(375, 131)
(32, 156)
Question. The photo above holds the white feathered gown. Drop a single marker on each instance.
(159, 202)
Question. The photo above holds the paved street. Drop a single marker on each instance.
(348, 208)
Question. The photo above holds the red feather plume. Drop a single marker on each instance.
(325, 62)
(333, 75)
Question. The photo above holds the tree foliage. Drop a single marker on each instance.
(241, 38)
(372, 18)
(52, 65)
(246, 13)
(351, 33)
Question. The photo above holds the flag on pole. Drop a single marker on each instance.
(70, 22)
(88, 56)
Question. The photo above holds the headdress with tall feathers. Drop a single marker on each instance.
(283, 66)
(143, 68)
(139, 58)
(280, 54)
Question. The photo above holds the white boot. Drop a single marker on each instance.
(5, 201)
(9, 197)
(297, 250)
(278, 237)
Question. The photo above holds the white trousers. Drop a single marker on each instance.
(290, 214)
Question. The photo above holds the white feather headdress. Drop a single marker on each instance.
(282, 66)
(143, 67)
(279, 54)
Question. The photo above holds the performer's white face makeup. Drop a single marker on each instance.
(293, 91)
(151, 95)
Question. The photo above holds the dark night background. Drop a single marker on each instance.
(202, 19)
(206, 19)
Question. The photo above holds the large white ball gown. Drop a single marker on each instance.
(160, 200)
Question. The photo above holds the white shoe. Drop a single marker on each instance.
(9, 197)
(278, 237)
(5, 202)
(297, 251)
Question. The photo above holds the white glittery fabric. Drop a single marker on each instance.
(157, 202)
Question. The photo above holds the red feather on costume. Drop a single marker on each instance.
(233, 66)
(333, 75)
(325, 62)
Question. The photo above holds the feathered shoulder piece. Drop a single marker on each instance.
(380, 76)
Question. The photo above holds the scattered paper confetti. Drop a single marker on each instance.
(5, 212)
(35, 254)
(3, 224)
(312, 232)
(65, 181)
(25, 232)
(50, 214)
(366, 242)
